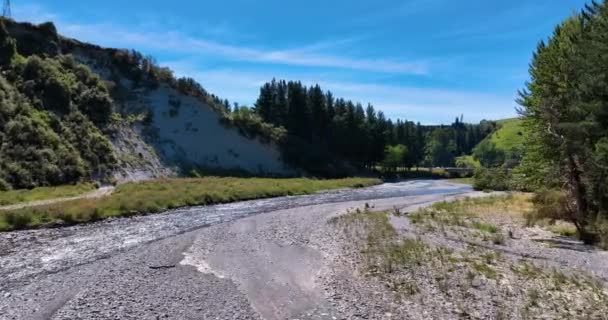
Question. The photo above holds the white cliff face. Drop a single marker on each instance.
(189, 130)
(186, 131)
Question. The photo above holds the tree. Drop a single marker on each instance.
(440, 149)
(335, 128)
(265, 103)
(394, 158)
(318, 108)
(8, 46)
(488, 155)
(563, 110)
(298, 116)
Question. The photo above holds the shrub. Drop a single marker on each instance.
(490, 179)
(601, 230)
(4, 185)
(556, 205)
(498, 239)
(550, 204)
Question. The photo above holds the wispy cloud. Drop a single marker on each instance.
(428, 105)
(308, 55)
(327, 63)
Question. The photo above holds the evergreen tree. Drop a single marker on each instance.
(8, 46)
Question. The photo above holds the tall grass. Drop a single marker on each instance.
(160, 195)
(43, 193)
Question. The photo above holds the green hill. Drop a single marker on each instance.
(509, 136)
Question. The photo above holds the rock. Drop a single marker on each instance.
(477, 282)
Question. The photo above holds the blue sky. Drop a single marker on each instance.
(421, 60)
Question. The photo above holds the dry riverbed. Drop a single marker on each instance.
(300, 258)
(473, 259)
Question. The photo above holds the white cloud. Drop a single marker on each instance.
(427, 105)
(309, 55)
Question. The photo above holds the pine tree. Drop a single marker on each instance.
(8, 46)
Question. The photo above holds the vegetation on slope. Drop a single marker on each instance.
(509, 136)
(52, 113)
(498, 155)
(159, 195)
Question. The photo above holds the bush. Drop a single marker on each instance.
(491, 179)
(555, 205)
(550, 204)
(4, 185)
(601, 230)
(50, 120)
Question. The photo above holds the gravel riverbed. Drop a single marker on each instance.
(264, 259)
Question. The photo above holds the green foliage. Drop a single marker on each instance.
(8, 47)
(155, 196)
(334, 129)
(4, 186)
(509, 136)
(52, 111)
(467, 162)
(252, 126)
(502, 151)
(491, 179)
(488, 154)
(394, 157)
(564, 114)
(440, 149)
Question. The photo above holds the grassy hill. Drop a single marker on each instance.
(505, 142)
(509, 136)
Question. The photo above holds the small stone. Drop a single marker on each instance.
(8, 294)
(477, 282)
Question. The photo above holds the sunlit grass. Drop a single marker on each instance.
(468, 181)
(160, 195)
(43, 193)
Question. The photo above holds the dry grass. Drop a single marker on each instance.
(469, 280)
(485, 215)
(160, 195)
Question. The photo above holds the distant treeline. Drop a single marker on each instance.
(335, 127)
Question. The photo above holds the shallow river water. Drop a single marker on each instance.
(26, 254)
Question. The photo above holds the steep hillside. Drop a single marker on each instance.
(509, 136)
(73, 111)
(503, 146)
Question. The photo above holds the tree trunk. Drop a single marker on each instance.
(577, 192)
